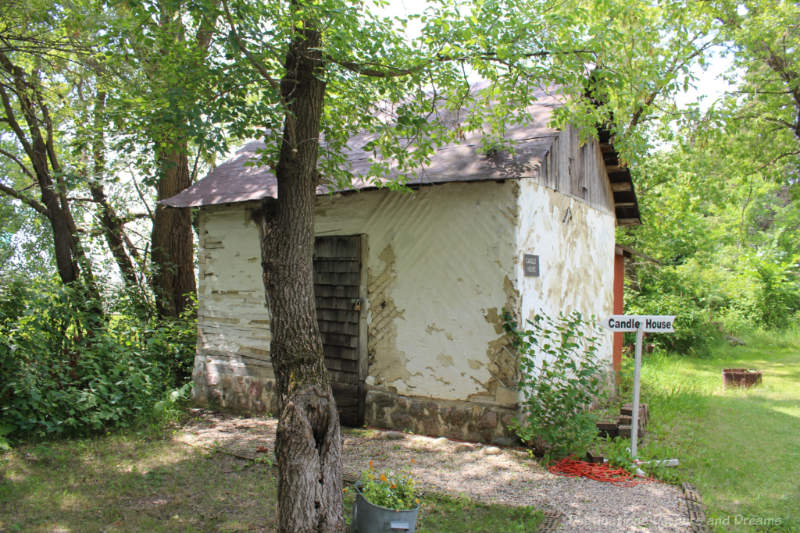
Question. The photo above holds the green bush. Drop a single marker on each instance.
(68, 370)
(561, 377)
(680, 291)
(779, 295)
(733, 291)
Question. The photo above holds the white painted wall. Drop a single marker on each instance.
(437, 260)
(437, 263)
(442, 263)
(575, 245)
(233, 322)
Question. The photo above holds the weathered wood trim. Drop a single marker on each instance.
(363, 329)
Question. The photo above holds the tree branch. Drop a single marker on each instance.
(778, 158)
(21, 165)
(12, 121)
(377, 70)
(257, 63)
(30, 202)
(206, 30)
(648, 101)
(781, 122)
(141, 195)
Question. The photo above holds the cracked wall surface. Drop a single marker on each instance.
(232, 368)
(437, 259)
(442, 262)
(575, 244)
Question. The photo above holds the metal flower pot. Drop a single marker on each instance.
(371, 518)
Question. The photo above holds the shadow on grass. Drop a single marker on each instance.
(124, 483)
(113, 484)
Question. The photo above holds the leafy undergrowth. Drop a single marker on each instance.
(128, 482)
(739, 447)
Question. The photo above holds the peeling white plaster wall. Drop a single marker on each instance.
(233, 322)
(575, 245)
(442, 263)
(437, 260)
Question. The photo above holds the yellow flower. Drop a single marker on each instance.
(383, 477)
(412, 461)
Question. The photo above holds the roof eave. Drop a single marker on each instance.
(626, 204)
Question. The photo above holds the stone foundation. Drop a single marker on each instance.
(215, 386)
(461, 420)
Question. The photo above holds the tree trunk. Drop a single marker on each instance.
(171, 243)
(309, 442)
(113, 231)
(36, 149)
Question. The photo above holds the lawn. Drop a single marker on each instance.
(741, 448)
(127, 482)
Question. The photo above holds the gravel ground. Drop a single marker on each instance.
(485, 473)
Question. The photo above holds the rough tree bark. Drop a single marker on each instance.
(309, 442)
(172, 255)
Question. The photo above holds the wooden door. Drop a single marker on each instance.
(340, 290)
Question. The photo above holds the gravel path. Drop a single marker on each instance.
(485, 473)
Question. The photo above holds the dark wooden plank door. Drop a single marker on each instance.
(339, 287)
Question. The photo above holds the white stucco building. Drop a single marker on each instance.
(411, 286)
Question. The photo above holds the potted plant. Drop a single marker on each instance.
(385, 502)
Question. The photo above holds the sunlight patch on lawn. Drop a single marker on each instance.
(738, 446)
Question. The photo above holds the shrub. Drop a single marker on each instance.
(68, 370)
(561, 376)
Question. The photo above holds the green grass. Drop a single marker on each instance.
(741, 448)
(440, 513)
(129, 482)
(460, 515)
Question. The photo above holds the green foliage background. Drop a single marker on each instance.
(719, 237)
(69, 371)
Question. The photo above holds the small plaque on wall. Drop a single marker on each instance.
(530, 265)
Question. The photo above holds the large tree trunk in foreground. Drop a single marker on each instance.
(172, 252)
(309, 442)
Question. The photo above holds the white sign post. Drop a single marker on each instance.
(639, 324)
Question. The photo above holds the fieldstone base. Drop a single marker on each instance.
(216, 387)
(461, 420)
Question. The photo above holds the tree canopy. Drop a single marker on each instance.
(110, 106)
